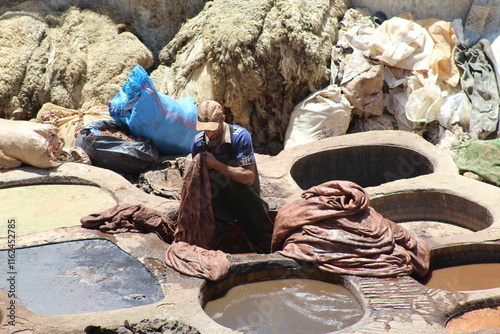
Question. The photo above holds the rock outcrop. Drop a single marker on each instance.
(66, 58)
(257, 58)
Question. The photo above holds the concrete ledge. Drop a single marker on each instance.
(384, 156)
(72, 173)
(479, 198)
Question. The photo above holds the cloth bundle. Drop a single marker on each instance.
(333, 226)
(131, 218)
(192, 251)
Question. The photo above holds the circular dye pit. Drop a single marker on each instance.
(426, 229)
(78, 277)
(292, 305)
(485, 320)
(433, 213)
(368, 166)
(477, 276)
(44, 207)
(464, 267)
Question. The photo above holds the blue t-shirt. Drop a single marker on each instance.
(241, 143)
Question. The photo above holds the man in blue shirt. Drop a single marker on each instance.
(234, 177)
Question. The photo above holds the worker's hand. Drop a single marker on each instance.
(210, 160)
(245, 175)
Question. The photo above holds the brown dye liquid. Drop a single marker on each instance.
(486, 320)
(467, 277)
(285, 306)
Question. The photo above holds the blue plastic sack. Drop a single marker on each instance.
(169, 123)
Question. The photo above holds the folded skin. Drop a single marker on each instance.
(334, 227)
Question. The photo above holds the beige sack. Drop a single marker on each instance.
(8, 162)
(70, 121)
(29, 142)
(323, 114)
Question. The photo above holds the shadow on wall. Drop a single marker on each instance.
(368, 166)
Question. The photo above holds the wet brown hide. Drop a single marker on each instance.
(196, 222)
(192, 251)
(333, 226)
(196, 261)
(131, 218)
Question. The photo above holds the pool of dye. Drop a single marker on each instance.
(45, 207)
(78, 277)
(467, 277)
(293, 305)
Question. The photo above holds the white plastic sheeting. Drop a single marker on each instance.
(418, 63)
(420, 68)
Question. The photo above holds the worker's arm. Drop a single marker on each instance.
(245, 175)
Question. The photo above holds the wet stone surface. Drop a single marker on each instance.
(78, 277)
(433, 229)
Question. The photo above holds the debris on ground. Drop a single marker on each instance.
(74, 154)
(164, 179)
(147, 326)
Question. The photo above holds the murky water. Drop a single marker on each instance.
(38, 208)
(285, 306)
(466, 277)
(78, 277)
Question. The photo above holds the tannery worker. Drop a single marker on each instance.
(234, 177)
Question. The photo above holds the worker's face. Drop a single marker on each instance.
(215, 136)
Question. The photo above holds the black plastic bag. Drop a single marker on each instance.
(110, 152)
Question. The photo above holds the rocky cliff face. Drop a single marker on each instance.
(77, 51)
(155, 21)
(258, 58)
